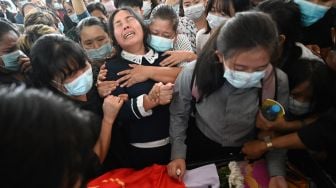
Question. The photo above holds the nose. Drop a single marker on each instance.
(95, 45)
(126, 26)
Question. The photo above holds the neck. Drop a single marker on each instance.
(80, 98)
(201, 22)
(137, 50)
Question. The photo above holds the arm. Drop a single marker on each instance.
(80, 9)
(140, 73)
(180, 109)
(256, 148)
(111, 108)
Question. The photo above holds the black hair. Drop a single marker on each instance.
(165, 12)
(90, 21)
(60, 57)
(96, 6)
(44, 139)
(238, 6)
(137, 17)
(7, 26)
(320, 78)
(42, 17)
(231, 39)
(128, 3)
(287, 16)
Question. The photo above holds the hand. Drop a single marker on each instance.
(165, 93)
(154, 93)
(176, 169)
(111, 107)
(277, 182)
(263, 124)
(24, 61)
(176, 57)
(254, 149)
(102, 73)
(315, 49)
(136, 74)
(123, 97)
(105, 88)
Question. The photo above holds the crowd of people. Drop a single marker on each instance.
(91, 86)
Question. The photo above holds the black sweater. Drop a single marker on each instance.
(139, 129)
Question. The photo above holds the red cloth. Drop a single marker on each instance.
(155, 176)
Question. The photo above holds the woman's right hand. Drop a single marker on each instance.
(176, 169)
(111, 107)
(105, 88)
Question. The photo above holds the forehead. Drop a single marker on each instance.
(252, 58)
(121, 15)
(92, 31)
(9, 39)
(159, 24)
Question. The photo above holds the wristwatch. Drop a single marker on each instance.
(268, 142)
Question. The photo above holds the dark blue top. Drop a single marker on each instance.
(139, 129)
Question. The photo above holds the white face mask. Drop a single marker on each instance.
(215, 21)
(298, 108)
(239, 79)
(194, 12)
(147, 8)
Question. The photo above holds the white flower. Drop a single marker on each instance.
(236, 179)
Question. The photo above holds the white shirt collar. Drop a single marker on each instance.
(150, 56)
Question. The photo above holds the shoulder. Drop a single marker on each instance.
(281, 76)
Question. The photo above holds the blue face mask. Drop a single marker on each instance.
(215, 21)
(310, 12)
(101, 53)
(60, 27)
(239, 79)
(161, 44)
(81, 85)
(11, 60)
(74, 18)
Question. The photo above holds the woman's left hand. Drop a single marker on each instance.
(254, 149)
(136, 74)
(176, 57)
(24, 61)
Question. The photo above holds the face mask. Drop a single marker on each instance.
(11, 60)
(147, 7)
(81, 85)
(239, 79)
(100, 53)
(194, 12)
(60, 27)
(310, 12)
(58, 6)
(110, 8)
(298, 108)
(176, 8)
(74, 18)
(215, 21)
(161, 44)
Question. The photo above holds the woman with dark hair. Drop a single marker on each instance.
(13, 62)
(64, 69)
(218, 12)
(164, 37)
(50, 146)
(310, 96)
(97, 10)
(227, 85)
(94, 38)
(286, 15)
(145, 116)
